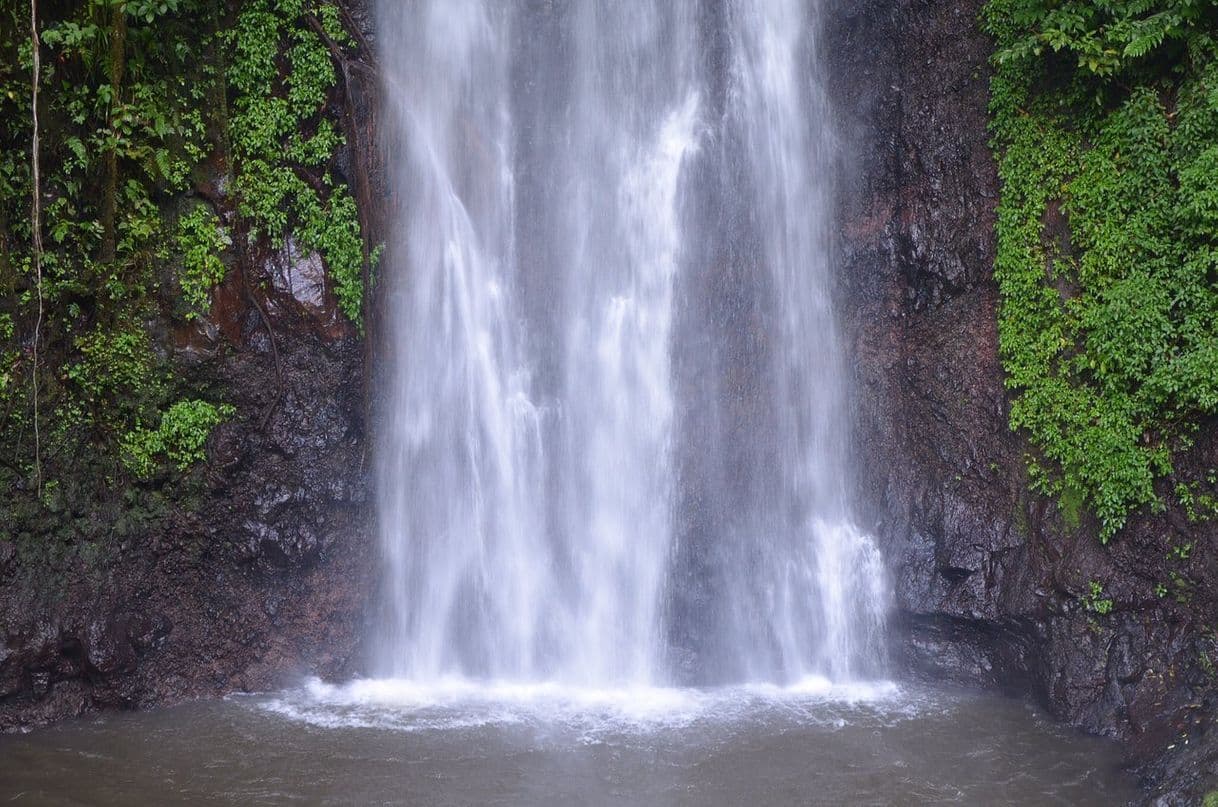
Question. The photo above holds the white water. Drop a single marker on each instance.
(614, 436)
(459, 704)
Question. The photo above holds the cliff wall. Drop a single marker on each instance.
(993, 584)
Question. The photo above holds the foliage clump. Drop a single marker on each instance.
(1107, 38)
(201, 240)
(282, 141)
(180, 437)
(1095, 601)
(1105, 119)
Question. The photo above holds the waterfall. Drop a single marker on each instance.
(614, 433)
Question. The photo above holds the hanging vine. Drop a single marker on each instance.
(36, 231)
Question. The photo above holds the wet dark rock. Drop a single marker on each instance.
(1000, 655)
(258, 570)
(299, 275)
(40, 683)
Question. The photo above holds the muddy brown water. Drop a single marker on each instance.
(395, 743)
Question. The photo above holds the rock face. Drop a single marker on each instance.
(259, 568)
(248, 571)
(255, 568)
(993, 584)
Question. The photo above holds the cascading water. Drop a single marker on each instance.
(612, 470)
(614, 435)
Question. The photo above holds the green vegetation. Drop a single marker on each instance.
(201, 240)
(280, 138)
(142, 105)
(180, 437)
(1198, 504)
(1105, 119)
(1095, 600)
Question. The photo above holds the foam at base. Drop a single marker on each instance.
(456, 703)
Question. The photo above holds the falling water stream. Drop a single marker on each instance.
(621, 564)
(614, 439)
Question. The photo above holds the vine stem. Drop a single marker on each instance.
(36, 225)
